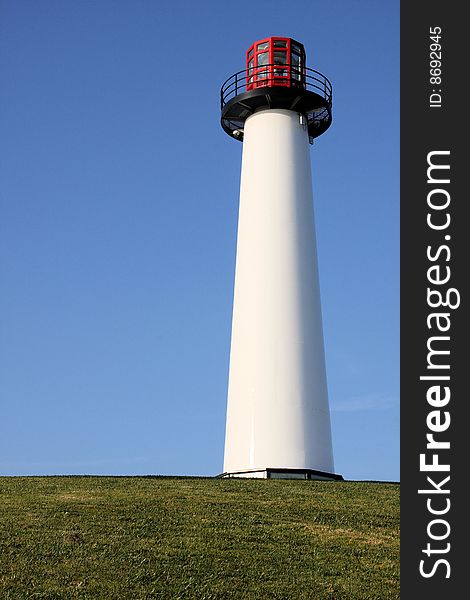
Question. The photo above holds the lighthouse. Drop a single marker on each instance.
(278, 419)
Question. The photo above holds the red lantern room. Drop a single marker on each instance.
(275, 61)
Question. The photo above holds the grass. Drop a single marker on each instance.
(136, 538)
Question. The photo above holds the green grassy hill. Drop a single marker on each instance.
(132, 538)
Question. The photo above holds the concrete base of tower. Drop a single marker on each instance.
(272, 473)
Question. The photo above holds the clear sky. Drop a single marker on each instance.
(118, 221)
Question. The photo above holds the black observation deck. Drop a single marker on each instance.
(311, 97)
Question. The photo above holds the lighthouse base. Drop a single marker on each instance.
(282, 474)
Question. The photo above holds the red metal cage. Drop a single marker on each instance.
(275, 61)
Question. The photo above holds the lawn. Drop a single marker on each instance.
(136, 538)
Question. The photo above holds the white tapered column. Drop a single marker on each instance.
(277, 411)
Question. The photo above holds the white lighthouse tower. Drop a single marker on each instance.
(278, 420)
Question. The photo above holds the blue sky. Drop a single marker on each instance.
(118, 219)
